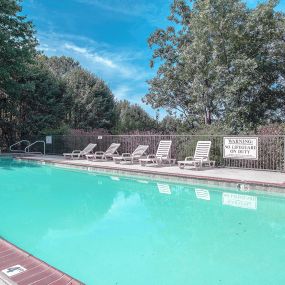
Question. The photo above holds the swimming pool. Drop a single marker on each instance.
(115, 230)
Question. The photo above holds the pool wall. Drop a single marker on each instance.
(237, 184)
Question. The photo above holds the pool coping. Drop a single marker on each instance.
(189, 178)
(20, 253)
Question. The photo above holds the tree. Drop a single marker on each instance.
(37, 103)
(38, 93)
(89, 101)
(41, 102)
(61, 66)
(132, 118)
(257, 87)
(93, 102)
(220, 61)
(173, 125)
(17, 42)
(17, 51)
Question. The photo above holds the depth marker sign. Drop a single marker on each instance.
(14, 270)
(241, 148)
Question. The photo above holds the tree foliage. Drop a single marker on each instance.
(41, 102)
(173, 125)
(36, 103)
(220, 60)
(89, 101)
(61, 66)
(17, 50)
(17, 42)
(132, 118)
(38, 93)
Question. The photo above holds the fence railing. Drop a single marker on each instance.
(271, 148)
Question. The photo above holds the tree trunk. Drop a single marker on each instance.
(208, 116)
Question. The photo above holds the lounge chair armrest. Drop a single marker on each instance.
(137, 155)
(189, 158)
(205, 158)
(151, 156)
(162, 157)
(76, 151)
(126, 154)
(202, 159)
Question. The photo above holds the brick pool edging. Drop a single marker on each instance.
(38, 272)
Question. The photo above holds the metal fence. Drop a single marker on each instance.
(271, 148)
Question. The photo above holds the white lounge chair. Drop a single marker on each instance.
(200, 158)
(108, 154)
(131, 157)
(80, 153)
(162, 155)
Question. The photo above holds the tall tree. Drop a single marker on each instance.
(220, 60)
(89, 101)
(93, 102)
(173, 125)
(17, 42)
(41, 105)
(131, 117)
(61, 66)
(257, 84)
(17, 51)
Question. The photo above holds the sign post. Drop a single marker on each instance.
(241, 148)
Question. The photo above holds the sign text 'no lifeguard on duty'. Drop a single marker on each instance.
(241, 147)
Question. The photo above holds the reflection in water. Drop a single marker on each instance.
(115, 178)
(240, 201)
(121, 208)
(143, 181)
(164, 188)
(202, 194)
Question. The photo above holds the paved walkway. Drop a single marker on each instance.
(256, 177)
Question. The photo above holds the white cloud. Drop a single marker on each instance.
(122, 92)
(91, 55)
(46, 48)
(99, 58)
(127, 7)
(121, 69)
(108, 64)
(152, 12)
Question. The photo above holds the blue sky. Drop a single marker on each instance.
(108, 37)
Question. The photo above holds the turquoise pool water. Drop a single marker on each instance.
(109, 230)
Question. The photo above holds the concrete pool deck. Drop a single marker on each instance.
(225, 177)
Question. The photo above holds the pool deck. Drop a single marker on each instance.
(37, 272)
(227, 177)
